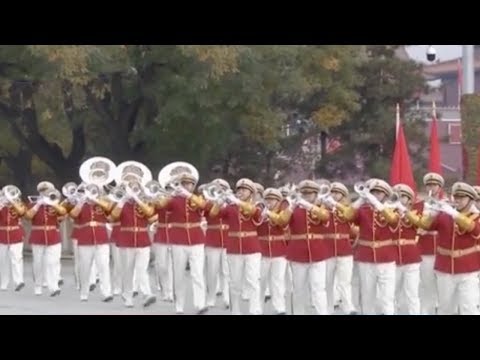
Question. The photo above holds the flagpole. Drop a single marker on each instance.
(397, 125)
(468, 62)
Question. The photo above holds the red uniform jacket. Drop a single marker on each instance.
(11, 231)
(457, 251)
(161, 235)
(217, 230)
(406, 239)
(307, 238)
(45, 226)
(242, 230)
(375, 244)
(272, 240)
(337, 235)
(133, 227)
(184, 219)
(90, 226)
(427, 240)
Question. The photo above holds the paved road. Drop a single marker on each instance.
(68, 303)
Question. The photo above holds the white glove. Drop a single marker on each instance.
(232, 199)
(181, 191)
(305, 204)
(449, 210)
(401, 209)
(375, 202)
(330, 202)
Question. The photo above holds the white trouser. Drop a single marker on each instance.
(76, 266)
(273, 275)
(164, 268)
(245, 267)
(116, 269)
(339, 276)
(406, 293)
(217, 272)
(135, 259)
(45, 261)
(428, 286)
(88, 256)
(11, 262)
(356, 287)
(289, 279)
(309, 276)
(377, 286)
(195, 256)
(458, 292)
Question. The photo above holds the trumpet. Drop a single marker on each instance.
(117, 194)
(394, 200)
(361, 188)
(154, 190)
(324, 192)
(214, 192)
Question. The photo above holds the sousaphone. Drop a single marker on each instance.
(172, 174)
(97, 170)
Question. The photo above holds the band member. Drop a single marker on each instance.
(216, 254)
(163, 255)
(134, 243)
(375, 252)
(307, 250)
(243, 247)
(91, 217)
(285, 190)
(115, 252)
(340, 265)
(457, 263)
(45, 216)
(274, 252)
(427, 242)
(188, 241)
(408, 259)
(11, 240)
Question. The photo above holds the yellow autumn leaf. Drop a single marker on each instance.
(328, 116)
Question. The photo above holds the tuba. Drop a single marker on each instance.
(172, 174)
(52, 197)
(11, 193)
(97, 170)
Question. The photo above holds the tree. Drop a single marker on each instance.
(368, 139)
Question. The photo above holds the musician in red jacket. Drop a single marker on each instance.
(457, 261)
(340, 265)
(90, 216)
(243, 248)
(216, 238)
(11, 243)
(274, 252)
(134, 243)
(375, 252)
(427, 243)
(187, 240)
(45, 240)
(408, 259)
(307, 250)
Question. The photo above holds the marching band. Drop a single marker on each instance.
(315, 245)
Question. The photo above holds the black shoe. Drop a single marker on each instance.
(92, 287)
(202, 311)
(60, 282)
(353, 313)
(188, 267)
(282, 313)
(55, 293)
(336, 307)
(83, 300)
(97, 281)
(135, 293)
(20, 287)
(151, 300)
(108, 299)
(219, 293)
(267, 298)
(227, 307)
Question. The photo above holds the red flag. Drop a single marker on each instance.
(401, 171)
(434, 162)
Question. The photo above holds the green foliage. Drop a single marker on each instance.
(470, 114)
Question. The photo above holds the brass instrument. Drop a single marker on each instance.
(394, 201)
(361, 188)
(324, 192)
(215, 192)
(11, 193)
(172, 174)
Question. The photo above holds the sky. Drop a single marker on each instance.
(444, 52)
